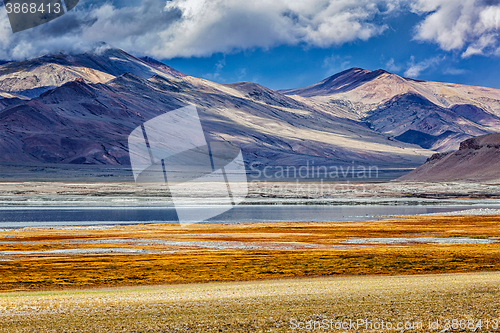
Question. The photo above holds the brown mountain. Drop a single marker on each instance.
(433, 115)
(80, 109)
(478, 159)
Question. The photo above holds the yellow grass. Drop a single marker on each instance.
(275, 250)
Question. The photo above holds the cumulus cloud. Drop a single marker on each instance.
(227, 25)
(185, 28)
(135, 27)
(469, 26)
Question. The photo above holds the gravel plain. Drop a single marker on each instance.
(406, 303)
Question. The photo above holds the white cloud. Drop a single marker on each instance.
(391, 66)
(185, 28)
(227, 25)
(166, 29)
(472, 25)
(132, 28)
(416, 68)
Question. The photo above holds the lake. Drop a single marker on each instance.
(21, 217)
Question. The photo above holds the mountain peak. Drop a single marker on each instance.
(361, 70)
(35, 76)
(338, 83)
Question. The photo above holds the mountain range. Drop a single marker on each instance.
(80, 109)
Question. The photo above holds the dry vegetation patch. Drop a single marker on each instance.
(161, 254)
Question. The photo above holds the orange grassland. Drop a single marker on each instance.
(173, 254)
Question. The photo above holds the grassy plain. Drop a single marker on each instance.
(61, 258)
(264, 277)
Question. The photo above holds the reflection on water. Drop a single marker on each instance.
(39, 217)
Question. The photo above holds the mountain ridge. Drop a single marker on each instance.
(393, 105)
(84, 115)
(337, 83)
(33, 77)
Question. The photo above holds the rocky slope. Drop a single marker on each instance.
(33, 77)
(478, 159)
(80, 109)
(434, 115)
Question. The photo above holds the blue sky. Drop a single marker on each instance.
(282, 43)
(395, 50)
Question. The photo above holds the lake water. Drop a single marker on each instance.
(12, 217)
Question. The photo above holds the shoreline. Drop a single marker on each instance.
(281, 189)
